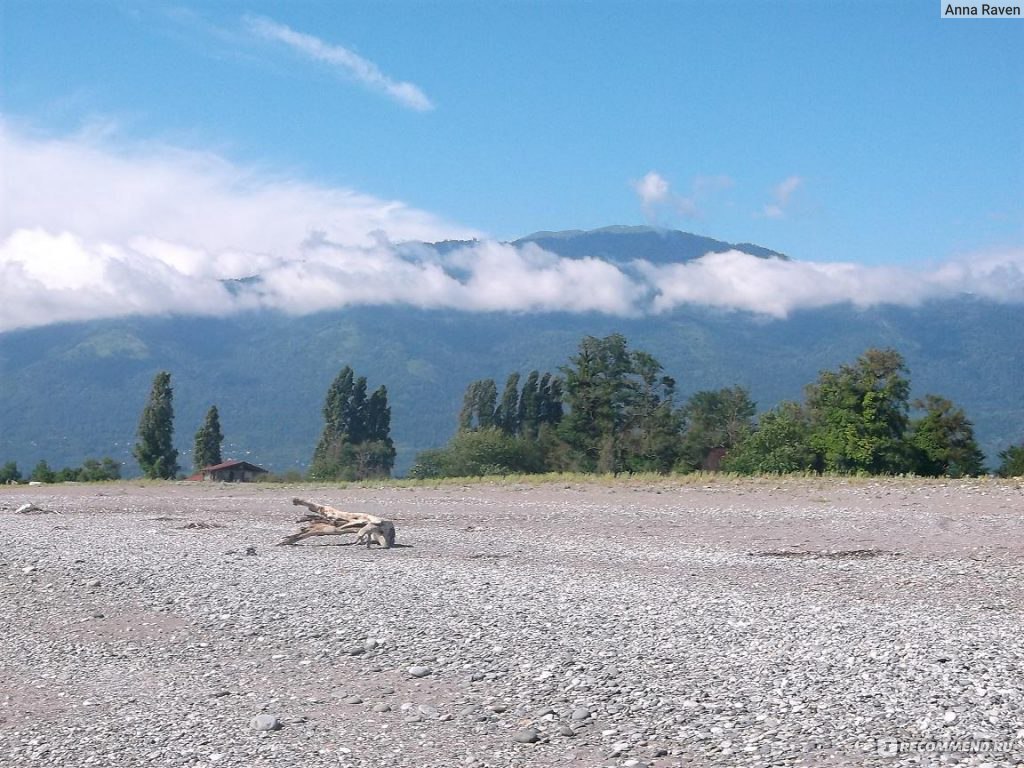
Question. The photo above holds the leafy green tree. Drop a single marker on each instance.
(356, 441)
(715, 420)
(42, 473)
(1012, 462)
(155, 451)
(859, 414)
(942, 441)
(93, 471)
(206, 451)
(68, 475)
(620, 409)
(9, 473)
(780, 444)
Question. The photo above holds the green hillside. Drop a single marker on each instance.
(68, 392)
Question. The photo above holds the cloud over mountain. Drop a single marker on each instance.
(88, 231)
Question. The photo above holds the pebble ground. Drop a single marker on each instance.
(791, 622)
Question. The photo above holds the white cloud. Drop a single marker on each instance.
(88, 232)
(655, 195)
(773, 287)
(781, 194)
(348, 62)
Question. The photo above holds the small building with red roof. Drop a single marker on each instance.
(230, 472)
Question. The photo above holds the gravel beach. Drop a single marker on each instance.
(782, 622)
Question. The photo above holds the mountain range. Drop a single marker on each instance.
(72, 391)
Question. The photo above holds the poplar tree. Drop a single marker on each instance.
(155, 450)
(207, 449)
(356, 441)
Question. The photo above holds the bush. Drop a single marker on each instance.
(478, 453)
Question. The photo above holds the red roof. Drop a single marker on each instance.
(231, 464)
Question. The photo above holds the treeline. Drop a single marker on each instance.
(611, 409)
(355, 445)
(91, 471)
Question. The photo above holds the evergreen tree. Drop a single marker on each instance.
(1011, 462)
(155, 451)
(942, 441)
(9, 473)
(207, 449)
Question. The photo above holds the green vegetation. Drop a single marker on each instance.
(91, 471)
(515, 436)
(9, 473)
(206, 451)
(155, 450)
(610, 409)
(1012, 462)
(356, 441)
(621, 418)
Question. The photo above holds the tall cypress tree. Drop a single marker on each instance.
(206, 451)
(155, 451)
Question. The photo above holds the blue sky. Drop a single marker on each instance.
(862, 132)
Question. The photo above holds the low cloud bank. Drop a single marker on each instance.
(87, 233)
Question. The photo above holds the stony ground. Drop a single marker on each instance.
(759, 623)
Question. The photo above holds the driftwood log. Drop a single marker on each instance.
(328, 521)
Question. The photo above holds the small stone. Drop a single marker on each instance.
(526, 736)
(619, 747)
(354, 700)
(265, 723)
(420, 671)
(382, 707)
(95, 583)
(28, 569)
(565, 730)
(580, 713)
(355, 650)
(370, 644)
(950, 716)
(427, 710)
(499, 708)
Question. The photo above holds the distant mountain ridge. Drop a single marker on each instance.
(620, 245)
(68, 392)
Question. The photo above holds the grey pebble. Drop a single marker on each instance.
(420, 671)
(265, 723)
(526, 736)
